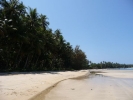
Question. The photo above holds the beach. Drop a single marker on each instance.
(68, 85)
(28, 86)
(104, 85)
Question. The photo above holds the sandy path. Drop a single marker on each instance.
(25, 86)
(96, 87)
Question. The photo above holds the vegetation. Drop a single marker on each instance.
(104, 65)
(28, 44)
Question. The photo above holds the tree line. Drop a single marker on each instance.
(104, 65)
(28, 44)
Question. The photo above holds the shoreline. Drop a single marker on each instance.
(114, 73)
(98, 86)
(32, 86)
(35, 86)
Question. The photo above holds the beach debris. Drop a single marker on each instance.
(72, 89)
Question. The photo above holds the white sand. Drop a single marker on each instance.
(112, 85)
(25, 86)
(42, 86)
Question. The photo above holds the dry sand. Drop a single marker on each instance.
(110, 85)
(31, 86)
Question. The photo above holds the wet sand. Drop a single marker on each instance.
(108, 85)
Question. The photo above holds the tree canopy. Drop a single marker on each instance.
(28, 44)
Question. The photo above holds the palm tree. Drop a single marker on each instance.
(11, 27)
(43, 21)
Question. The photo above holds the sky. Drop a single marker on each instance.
(102, 28)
